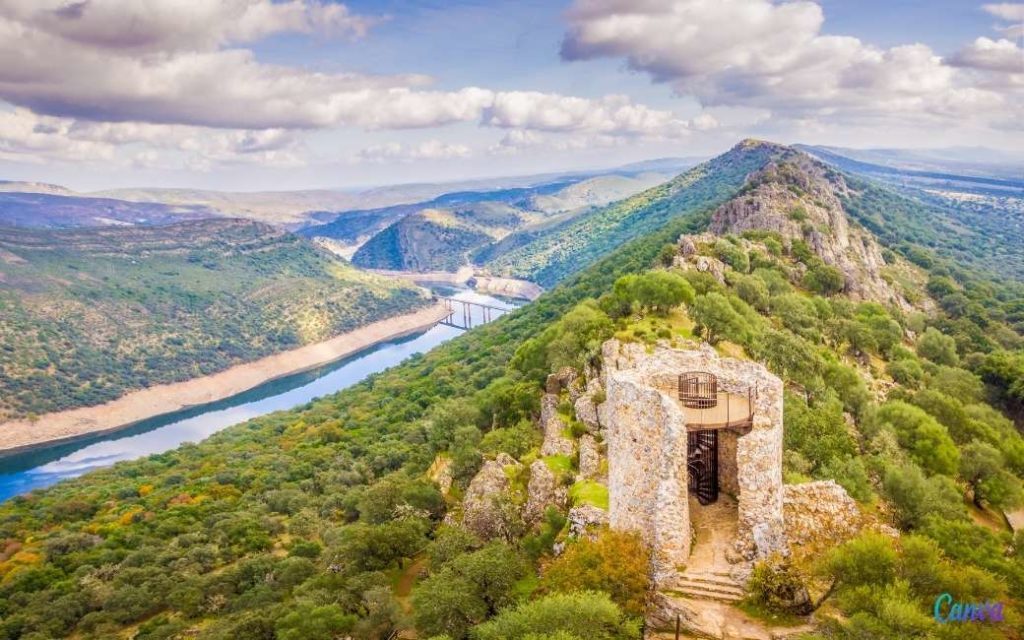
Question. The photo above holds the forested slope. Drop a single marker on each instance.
(321, 522)
(87, 315)
(549, 255)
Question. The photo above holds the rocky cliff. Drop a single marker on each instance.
(798, 197)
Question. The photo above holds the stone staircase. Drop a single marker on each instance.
(718, 586)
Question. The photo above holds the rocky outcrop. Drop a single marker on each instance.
(585, 520)
(483, 509)
(798, 197)
(586, 412)
(440, 472)
(820, 511)
(551, 424)
(543, 491)
(590, 457)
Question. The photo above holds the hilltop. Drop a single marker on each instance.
(465, 493)
(89, 314)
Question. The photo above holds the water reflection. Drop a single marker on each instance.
(37, 468)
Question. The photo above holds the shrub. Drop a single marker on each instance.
(777, 587)
(919, 433)
(824, 279)
(582, 615)
(937, 347)
(616, 563)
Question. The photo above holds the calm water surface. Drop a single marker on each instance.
(42, 467)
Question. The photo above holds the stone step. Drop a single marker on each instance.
(711, 586)
(702, 593)
(713, 580)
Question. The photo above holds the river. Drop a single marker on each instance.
(44, 466)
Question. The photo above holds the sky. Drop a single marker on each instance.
(254, 95)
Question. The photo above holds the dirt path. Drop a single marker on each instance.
(167, 398)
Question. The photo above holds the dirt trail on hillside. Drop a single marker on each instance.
(167, 398)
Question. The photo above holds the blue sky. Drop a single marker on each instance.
(258, 94)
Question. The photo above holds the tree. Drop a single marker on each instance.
(918, 432)
(656, 291)
(577, 337)
(310, 622)
(716, 316)
(468, 589)
(583, 615)
(983, 468)
(753, 291)
(907, 372)
(824, 279)
(616, 563)
(937, 347)
(915, 496)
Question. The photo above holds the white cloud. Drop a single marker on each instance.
(180, 25)
(428, 150)
(1010, 11)
(612, 115)
(761, 54)
(26, 136)
(516, 141)
(991, 55)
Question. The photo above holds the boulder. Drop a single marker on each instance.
(555, 443)
(585, 519)
(543, 491)
(482, 508)
(820, 511)
(586, 412)
(590, 457)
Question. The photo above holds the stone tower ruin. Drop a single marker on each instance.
(684, 426)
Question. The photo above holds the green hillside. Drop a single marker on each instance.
(436, 239)
(87, 315)
(549, 255)
(321, 522)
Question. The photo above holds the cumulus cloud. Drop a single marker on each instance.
(180, 25)
(991, 55)
(25, 135)
(1011, 11)
(761, 54)
(515, 141)
(428, 150)
(613, 115)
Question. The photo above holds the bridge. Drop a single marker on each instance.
(466, 315)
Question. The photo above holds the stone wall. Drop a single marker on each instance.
(646, 444)
(728, 472)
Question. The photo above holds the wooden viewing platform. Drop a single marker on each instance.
(706, 407)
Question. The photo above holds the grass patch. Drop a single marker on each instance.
(559, 463)
(770, 618)
(589, 492)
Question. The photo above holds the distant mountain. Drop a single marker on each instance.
(961, 161)
(442, 233)
(54, 210)
(977, 220)
(89, 314)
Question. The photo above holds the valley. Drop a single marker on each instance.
(498, 466)
(92, 314)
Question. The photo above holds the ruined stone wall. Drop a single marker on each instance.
(646, 444)
(646, 434)
(728, 473)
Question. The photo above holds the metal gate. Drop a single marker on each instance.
(702, 464)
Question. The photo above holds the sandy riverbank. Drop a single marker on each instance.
(167, 398)
(507, 287)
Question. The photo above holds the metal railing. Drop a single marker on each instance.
(714, 408)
